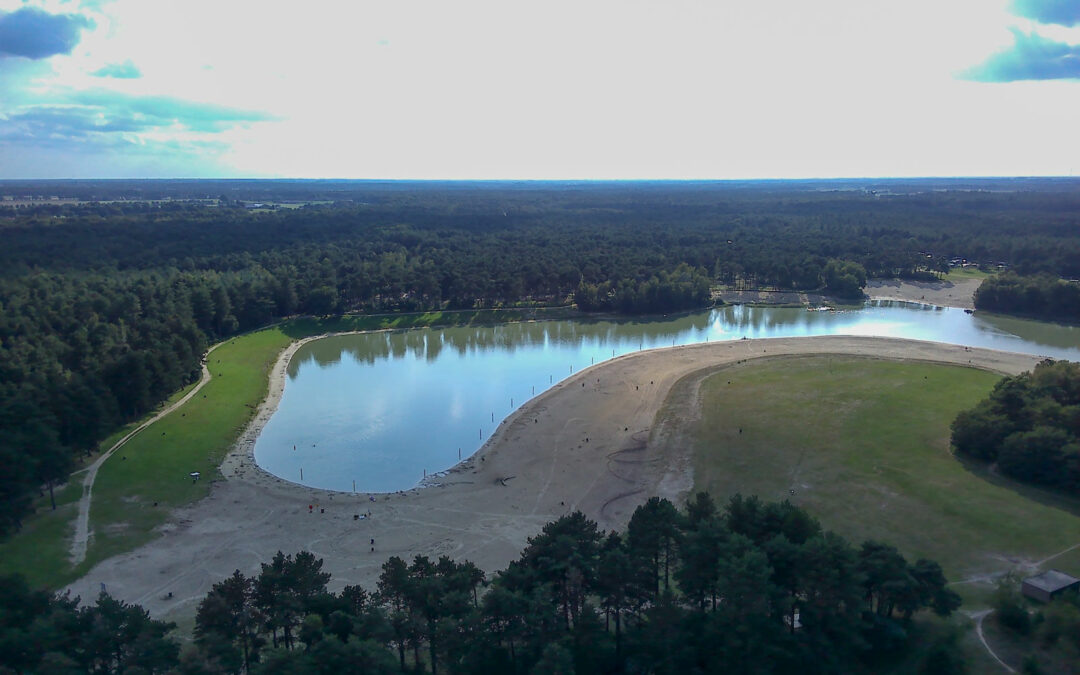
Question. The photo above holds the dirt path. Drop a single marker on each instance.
(978, 617)
(81, 539)
(536, 467)
(1030, 566)
(1039, 563)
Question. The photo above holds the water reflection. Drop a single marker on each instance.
(381, 408)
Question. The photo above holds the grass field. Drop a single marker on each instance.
(864, 444)
(958, 273)
(155, 464)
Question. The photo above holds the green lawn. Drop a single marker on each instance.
(960, 273)
(864, 444)
(154, 465)
(40, 550)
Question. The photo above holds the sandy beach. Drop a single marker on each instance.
(587, 444)
(960, 293)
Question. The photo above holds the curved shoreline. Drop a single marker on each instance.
(240, 460)
(590, 448)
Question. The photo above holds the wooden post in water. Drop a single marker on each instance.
(301, 473)
(354, 485)
(459, 454)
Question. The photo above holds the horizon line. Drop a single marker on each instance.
(552, 180)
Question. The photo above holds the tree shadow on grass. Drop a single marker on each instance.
(1045, 496)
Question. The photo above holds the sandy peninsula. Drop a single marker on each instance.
(588, 444)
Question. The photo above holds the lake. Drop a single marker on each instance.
(374, 412)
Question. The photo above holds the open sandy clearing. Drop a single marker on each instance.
(582, 445)
(947, 293)
(959, 293)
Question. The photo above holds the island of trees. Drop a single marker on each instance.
(1039, 297)
(1029, 427)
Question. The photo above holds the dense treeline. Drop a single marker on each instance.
(105, 308)
(82, 355)
(1029, 426)
(769, 231)
(43, 633)
(1042, 297)
(682, 288)
(754, 587)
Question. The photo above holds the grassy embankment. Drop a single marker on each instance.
(865, 446)
(155, 464)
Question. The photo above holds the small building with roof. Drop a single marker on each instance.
(1044, 587)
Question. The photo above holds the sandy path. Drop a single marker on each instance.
(82, 522)
(587, 447)
(978, 618)
(960, 293)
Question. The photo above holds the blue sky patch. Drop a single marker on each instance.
(35, 34)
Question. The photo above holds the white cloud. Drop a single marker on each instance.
(591, 89)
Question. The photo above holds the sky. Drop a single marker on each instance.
(522, 89)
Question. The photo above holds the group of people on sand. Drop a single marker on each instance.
(311, 509)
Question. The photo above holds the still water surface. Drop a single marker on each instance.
(379, 409)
